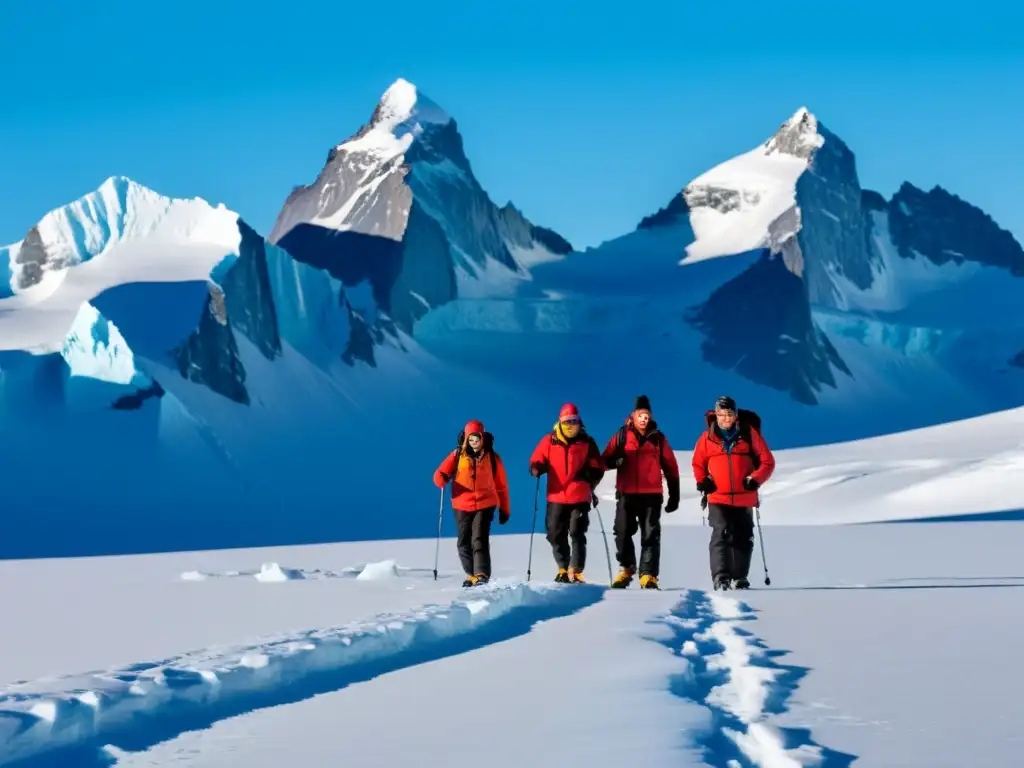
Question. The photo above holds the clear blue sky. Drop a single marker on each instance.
(587, 115)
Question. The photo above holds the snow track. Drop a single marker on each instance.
(733, 674)
(86, 719)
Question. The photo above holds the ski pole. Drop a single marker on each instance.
(764, 562)
(437, 546)
(536, 501)
(604, 538)
(703, 507)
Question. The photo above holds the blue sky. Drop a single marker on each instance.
(587, 115)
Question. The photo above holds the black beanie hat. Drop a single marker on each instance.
(642, 404)
(726, 403)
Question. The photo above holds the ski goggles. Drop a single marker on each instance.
(572, 420)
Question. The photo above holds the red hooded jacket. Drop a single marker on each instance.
(474, 485)
(728, 468)
(646, 457)
(574, 466)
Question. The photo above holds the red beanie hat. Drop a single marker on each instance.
(474, 426)
(568, 411)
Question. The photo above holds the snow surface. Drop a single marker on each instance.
(312, 654)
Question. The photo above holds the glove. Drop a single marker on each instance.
(673, 504)
(707, 485)
(503, 517)
(593, 500)
(537, 470)
(751, 484)
(614, 461)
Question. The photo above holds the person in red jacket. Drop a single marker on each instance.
(731, 461)
(479, 485)
(574, 467)
(641, 454)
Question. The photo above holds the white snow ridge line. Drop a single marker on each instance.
(729, 671)
(137, 706)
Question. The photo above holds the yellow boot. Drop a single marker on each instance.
(562, 577)
(623, 579)
(576, 576)
(649, 582)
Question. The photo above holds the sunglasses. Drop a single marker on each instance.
(571, 420)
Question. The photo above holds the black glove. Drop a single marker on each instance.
(503, 517)
(593, 500)
(537, 470)
(614, 461)
(672, 505)
(707, 485)
(445, 477)
(751, 484)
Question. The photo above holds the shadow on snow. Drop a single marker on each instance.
(691, 621)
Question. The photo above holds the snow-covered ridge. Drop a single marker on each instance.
(749, 201)
(99, 224)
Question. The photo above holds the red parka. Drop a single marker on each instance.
(646, 456)
(477, 483)
(729, 465)
(573, 466)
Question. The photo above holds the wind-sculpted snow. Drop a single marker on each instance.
(138, 705)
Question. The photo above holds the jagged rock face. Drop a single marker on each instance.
(249, 297)
(833, 232)
(796, 137)
(943, 228)
(33, 260)
(515, 228)
(209, 356)
(760, 324)
(672, 213)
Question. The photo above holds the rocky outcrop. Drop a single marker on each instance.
(944, 228)
(833, 233)
(760, 325)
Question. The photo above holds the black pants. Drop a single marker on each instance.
(567, 522)
(639, 512)
(732, 540)
(474, 540)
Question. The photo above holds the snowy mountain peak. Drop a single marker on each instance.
(798, 136)
(119, 210)
(403, 103)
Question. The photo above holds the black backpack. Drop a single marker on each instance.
(488, 445)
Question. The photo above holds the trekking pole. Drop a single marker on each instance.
(536, 501)
(764, 562)
(604, 538)
(437, 547)
(703, 507)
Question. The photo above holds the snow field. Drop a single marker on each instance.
(155, 699)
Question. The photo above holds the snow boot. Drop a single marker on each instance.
(647, 581)
(741, 584)
(576, 577)
(624, 579)
(562, 577)
(723, 583)
(475, 580)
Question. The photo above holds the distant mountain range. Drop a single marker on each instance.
(161, 361)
